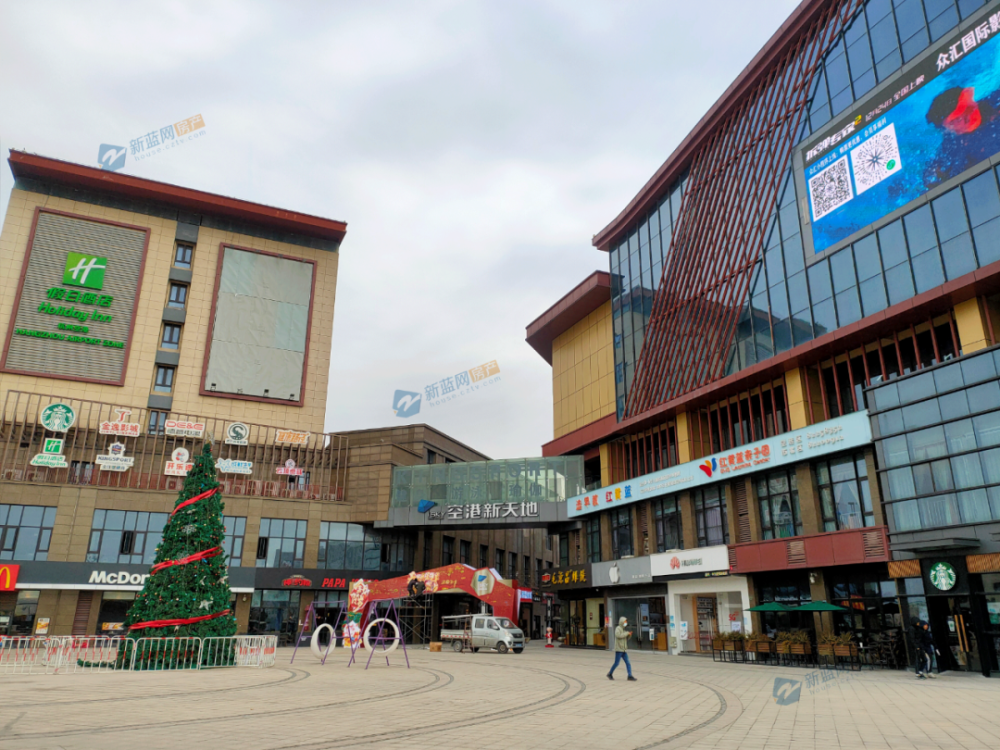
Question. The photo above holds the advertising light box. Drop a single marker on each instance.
(922, 129)
(831, 436)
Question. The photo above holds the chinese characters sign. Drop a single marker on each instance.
(833, 435)
(923, 130)
(120, 427)
(575, 576)
(184, 429)
(291, 437)
(484, 511)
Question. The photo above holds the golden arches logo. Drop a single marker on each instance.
(8, 577)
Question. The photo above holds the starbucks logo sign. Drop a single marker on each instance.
(58, 417)
(943, 576)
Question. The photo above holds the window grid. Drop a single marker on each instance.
(844, 495)
(669, 527)
(26, 531)
(232, 545)
(593, 529)
(125, 537)
(778, 498)
(281, 543)
(621, 533)
(710, 516)
(178, 296)
(937, 435)
(351, 546)
(171, 336)
(183, 256)
(164, 379)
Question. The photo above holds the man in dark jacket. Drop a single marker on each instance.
(923, 644)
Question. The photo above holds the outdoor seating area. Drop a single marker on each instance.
(800, 647)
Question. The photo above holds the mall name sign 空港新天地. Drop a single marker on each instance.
(834, 435)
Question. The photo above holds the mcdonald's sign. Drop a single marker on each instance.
(8, 577)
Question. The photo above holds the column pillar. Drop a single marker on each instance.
(683, 431)
(796, 398)
(971, 326)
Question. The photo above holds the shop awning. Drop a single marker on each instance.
(819, 607)
(769, 607)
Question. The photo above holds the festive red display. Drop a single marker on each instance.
(196, 498)
(177, 622)
(204, 555)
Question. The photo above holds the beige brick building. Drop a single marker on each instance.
(159, 317)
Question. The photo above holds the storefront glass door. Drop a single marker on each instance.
(706, 621)
(954, 636)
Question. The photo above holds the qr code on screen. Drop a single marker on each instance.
(830, 189)
(876, 159)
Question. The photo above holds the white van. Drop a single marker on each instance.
(482, 631)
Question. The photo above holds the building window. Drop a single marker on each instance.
(465, 552)
(667, 517)
(538, 571)
(125, 537)
(431, 456)
(25, 531)
(564, 550)
(351, 546)
(171, 336)
(183, 255)
(548, 542)
(592, 526)
(526, 570)
(281, 544)
(447, 550)
(157, 422)
(164, 379)
(484, 556)
(710, 517)
(178, 296)
(498, 561)
(845, 498)
(621, 533)
(80, 472)
(778, 496)
(428, 546)
(232, 545)
(512, 565)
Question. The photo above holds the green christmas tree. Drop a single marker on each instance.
(188, 579)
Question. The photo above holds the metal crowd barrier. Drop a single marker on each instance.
(71, 654)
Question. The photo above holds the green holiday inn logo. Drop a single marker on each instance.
(85, 270)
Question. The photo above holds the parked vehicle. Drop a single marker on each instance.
(482, 631)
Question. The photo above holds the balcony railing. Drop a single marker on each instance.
(322, 456)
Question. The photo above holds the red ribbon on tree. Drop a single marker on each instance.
(177, 622)
(204, 555)
(196, 498)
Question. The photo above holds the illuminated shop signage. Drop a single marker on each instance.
(291, 437)
(231, 466)
(178, 465)
(120, 427)
(922, 130)
(184, 429)
(831, 436)
(115, 459)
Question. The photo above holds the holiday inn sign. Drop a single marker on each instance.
(76, 302)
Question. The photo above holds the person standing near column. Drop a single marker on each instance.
(621, 649)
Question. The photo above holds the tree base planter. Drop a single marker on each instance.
(717, 650)
(849, 652)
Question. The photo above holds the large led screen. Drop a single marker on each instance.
(260, 327)
(940, 119)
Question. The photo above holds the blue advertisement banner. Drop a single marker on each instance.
(831, 436)
(940, 119)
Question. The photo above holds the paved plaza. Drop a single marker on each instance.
(544, 698)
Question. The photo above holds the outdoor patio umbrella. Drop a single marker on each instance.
(769, 607)
(819, 607)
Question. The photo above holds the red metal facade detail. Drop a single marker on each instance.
(848, 547)
(730, 196)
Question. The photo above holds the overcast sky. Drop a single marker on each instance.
(473, 148)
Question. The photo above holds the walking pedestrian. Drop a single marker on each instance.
(621, 649)
(928, 643)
